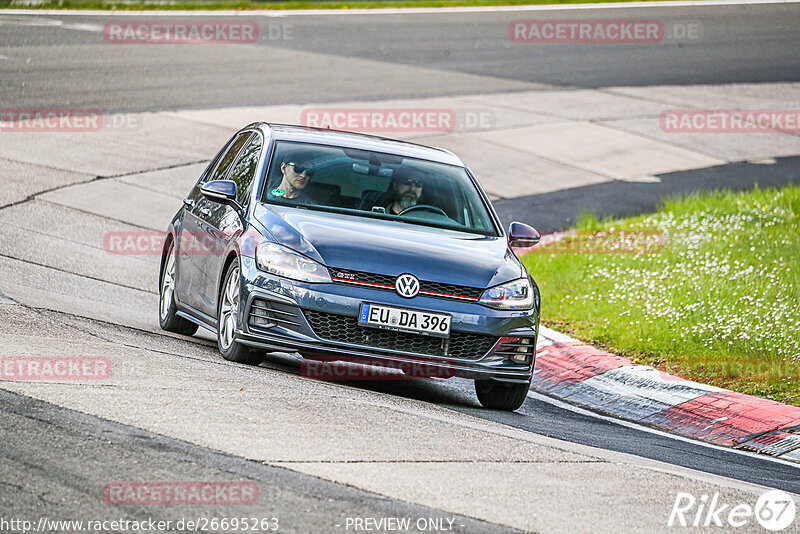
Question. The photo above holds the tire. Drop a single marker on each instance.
(168, 317)
(227, 318)
(500, 396)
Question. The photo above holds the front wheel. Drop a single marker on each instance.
(500, 396)
(228, 318)
(168, 317)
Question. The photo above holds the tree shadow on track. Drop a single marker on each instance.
(560, 209)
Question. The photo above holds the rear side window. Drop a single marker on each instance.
(244, 171)
(213, 165)
(230, 155)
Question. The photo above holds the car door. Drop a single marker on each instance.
(224, 224)
(191, 243)
(183, 247)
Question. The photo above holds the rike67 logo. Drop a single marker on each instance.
(774, 510)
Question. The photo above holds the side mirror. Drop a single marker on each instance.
(222, 191)
(522, 236)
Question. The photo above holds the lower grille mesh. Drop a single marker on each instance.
(346, 329)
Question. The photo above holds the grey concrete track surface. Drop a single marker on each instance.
(63, 60)
(172, 405)
(429, 461)
(61, 459)
(64, 294)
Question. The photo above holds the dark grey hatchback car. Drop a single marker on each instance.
(348, 247)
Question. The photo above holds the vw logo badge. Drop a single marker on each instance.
(407, 285)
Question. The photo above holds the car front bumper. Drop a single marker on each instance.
(320, 321)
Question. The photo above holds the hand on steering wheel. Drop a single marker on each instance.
(426, 207)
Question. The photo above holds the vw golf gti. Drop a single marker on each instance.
(342, 246)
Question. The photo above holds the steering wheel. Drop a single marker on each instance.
(426, 207)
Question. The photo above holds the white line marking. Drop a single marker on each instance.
(635, 426)
(40, 21)
(83, 27)
(29, 21)
(392, 11)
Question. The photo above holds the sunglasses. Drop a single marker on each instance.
(300, 169)
(411, 181)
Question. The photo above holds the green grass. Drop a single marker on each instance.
(718, 303)
(270, 4)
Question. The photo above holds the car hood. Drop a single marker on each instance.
(392, 248)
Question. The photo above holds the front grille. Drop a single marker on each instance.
(346, 329)
(473, 293)
(266, 314)
(386, 282)
(342, 275)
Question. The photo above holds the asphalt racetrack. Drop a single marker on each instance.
(64, 60)
(323, 453)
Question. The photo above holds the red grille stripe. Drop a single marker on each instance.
(370, 284)
(472, 299)
(382, 286)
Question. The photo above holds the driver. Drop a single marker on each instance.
(404, 192)
(297, 171)
(406, 189)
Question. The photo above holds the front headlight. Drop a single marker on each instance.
(516, 295)
(277, 259)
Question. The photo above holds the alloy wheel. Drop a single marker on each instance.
(229, 310)
(168, 284)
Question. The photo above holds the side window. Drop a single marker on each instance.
(213, 164)
(227, 159)
(244, 171)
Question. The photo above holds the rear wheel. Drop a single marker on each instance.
(168, 317)
(501, 396)
(228, 318)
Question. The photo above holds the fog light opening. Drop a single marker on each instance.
(518, 350)
(520, 358)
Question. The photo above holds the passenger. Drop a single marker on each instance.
(297, 171)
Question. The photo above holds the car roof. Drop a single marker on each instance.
(288, 132)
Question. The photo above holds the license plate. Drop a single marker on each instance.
(403, 320)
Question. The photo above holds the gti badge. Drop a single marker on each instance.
(407, 285)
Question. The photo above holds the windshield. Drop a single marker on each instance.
(377, 185)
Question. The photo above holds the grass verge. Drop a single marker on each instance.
(717, 301)
(173, 5)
